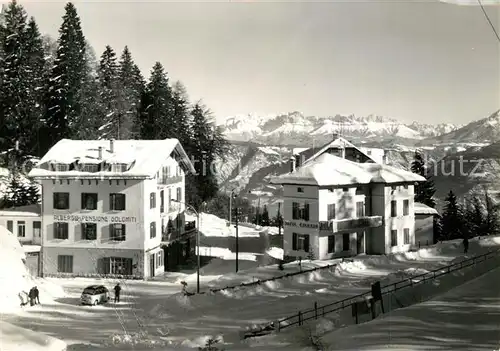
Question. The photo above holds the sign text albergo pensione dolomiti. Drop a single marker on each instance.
(94, 219)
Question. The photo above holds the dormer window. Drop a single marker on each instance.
(119, 167)
(59, 167)
(89, 167)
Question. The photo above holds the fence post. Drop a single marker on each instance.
(300, 318)
(315, 310)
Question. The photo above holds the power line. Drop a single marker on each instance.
(488, 19)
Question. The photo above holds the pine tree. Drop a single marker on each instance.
(491, 220)
(132, 87)
(36, 84)
(265, 217)
(183, 122)
(14, 83)
(424, 191)
(17, 193)
(474, 217)
(110, 95)
(156, 106)
(69, 74)
(452, 220)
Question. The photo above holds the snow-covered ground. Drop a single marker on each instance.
(465, 318)
(155, 313)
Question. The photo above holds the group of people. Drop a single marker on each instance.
(32, 298)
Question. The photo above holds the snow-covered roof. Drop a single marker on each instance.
(22, 211)
(338, 142)
(330, 170)
(421, 208)
(145, 158)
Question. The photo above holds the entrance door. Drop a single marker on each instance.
(360, 243)
(37, 229)
(152, 265)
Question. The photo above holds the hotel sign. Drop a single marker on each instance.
(94, 219)
(301, 224)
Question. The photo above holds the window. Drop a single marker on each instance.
(152, 200)
(162, 200)
(89, 201)
(178, 170)
(331, 243)
(346, 242)
(61, 230)
(360, 209)
(407, 236)
(89, 231)
(64, 264)
(117, 202)
(117, 232)
(120, 266)
(37, 229)
(21, 229)
(179, 194)
(91, 168)
(61, 201)
(300, 242)
(300, 211)
(10, 226)
(394, 208)
(152, 230)
(331, 211)
(394, 237)
(169, 196)
(406, 207)
(60, 167)
(159, 259)
(300, 189)
(119, 167)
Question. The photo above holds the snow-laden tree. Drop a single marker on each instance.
(424, 191)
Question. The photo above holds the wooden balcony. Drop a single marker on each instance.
(169, 180)
(350, 224)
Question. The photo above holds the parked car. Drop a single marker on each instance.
(94, 295)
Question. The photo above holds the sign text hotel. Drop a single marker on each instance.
(94, 219)
(301, 224)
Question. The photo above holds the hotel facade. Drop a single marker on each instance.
(340, 202)
(108, 206)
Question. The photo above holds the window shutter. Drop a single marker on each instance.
(83, 201)
(306, 243)
(111, 198)
(79, 231)
(306, 212)
(294, 241)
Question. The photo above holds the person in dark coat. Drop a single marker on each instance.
(31, 296)
(36, 295)
(118, 289)
(466, 245)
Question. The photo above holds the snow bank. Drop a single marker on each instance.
(15, 278)
(14, 338)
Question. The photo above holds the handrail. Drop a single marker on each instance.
(313, 313)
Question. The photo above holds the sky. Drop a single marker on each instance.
(422, 61)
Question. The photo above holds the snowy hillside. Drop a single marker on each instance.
(14, 277)
(480, 131)
(296, 128)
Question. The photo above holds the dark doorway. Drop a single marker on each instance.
(360, 243)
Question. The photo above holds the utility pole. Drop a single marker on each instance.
(236, 227)
(279, 218)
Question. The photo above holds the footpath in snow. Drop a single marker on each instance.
(465, 318)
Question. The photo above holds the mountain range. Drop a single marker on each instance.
(261, 147)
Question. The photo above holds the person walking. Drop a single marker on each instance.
(36, 295)
(466, 245)
(118, 289)
(31, 296)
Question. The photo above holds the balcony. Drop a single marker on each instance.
(175, 234)
(169, 180)
(350, 224)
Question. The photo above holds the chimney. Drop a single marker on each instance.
(292, 164)
(335, 136)
(112, 145)
(100, 153)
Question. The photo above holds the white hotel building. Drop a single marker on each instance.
(106, 204)
(337, 207)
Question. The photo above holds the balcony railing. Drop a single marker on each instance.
(340, 225)
(169, 180)
(172, 207)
